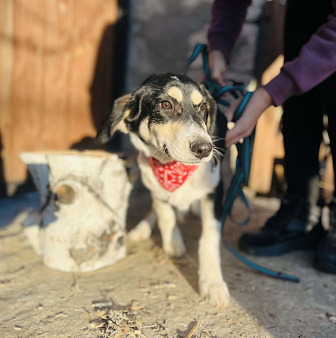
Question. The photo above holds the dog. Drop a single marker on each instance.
(171, 121)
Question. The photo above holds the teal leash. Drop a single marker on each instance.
(243, 162)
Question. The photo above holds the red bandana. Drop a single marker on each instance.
(171, 175)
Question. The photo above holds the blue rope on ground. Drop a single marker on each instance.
(243, 162)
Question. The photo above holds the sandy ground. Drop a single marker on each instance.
(149, 295)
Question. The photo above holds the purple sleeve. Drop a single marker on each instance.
(316, 62)
(227, 18)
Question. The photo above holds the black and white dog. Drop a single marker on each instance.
(171, 120)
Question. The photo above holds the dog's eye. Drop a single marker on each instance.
(166, 105)
(202, 107)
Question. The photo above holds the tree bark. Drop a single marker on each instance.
(84, 200)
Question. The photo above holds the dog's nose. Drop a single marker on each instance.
(201, 149)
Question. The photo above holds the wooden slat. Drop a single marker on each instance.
(53, 48)
(268, 143)
(6, 49)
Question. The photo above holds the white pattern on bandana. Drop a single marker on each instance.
(171, 175)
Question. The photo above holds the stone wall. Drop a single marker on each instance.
(162, 35)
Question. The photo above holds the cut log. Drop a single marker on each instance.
(84, 200)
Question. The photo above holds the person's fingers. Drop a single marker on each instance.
(218, 75)
(217, 65)
(218, 78)
(244, 126)
(231, 109)
(240, 131)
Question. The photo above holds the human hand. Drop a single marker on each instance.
(217, 65)
(259, 101)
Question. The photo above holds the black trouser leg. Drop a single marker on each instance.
(302, 131)
(303, 115)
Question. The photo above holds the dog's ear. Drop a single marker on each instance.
(212, 110)
(124, 107)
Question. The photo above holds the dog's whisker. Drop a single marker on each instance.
(218, 154)
(216, 158)
(219, 151)
(164, 157)
(157, 151)
(222, 150)
(160, 154)
(216, 139)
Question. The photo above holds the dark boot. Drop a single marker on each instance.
(296, 226)
(326, 250)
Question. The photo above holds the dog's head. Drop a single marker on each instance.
(170, 117)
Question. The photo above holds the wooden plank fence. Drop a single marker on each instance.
(55, 75)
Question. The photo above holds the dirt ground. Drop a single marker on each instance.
(149, 295)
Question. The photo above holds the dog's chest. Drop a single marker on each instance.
(202, 182)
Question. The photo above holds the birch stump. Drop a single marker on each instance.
(84, 200)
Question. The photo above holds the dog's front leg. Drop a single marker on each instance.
(172, 241)
(143, 230)
(211, 283)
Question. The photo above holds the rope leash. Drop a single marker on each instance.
(243, 162)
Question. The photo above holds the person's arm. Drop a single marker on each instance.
(227, 18)
(258, 103)
(316, 62)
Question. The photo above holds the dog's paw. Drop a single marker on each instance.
(216, 293)
(141, 232)
(175, 249)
